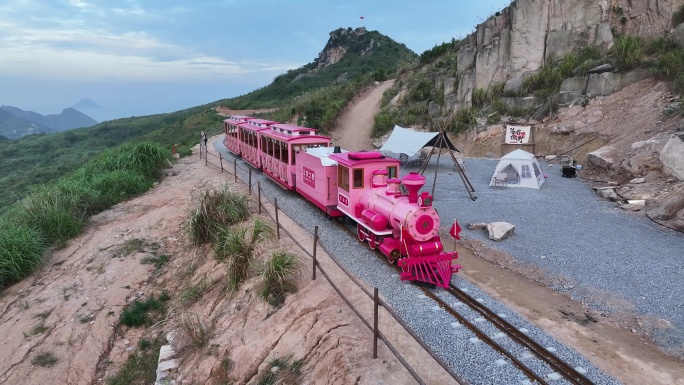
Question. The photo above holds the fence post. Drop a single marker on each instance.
(259, 194)
(200, 150)
(275, 203)
(206, 155)
(235, 169)
(314, 251)
(376, 301)
(221, 160)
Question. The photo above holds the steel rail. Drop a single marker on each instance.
(560, 366)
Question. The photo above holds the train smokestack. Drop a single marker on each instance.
(336, 150)
(413, 182)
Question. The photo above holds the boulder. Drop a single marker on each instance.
(601, 84)
(550, 157)
(669, 207)
(498, 231)
(604, 157)
(678, 35)
(600, 69)
(512, 86)
(607, 193)
(637, 180)
(521, 103)
(672, 156)
(631, 207)
(572, 89)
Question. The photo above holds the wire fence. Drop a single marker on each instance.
(418, 359)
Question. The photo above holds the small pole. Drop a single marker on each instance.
(259, 194)
(275, 203)
(376, 301)
(314, 251)
(200, 150)
(250, 181)
(206, 155)
(235, 169)
(221, 160)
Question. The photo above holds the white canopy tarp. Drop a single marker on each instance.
(405, 141)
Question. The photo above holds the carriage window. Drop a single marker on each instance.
(358, 178)
(343, 177)
(391, 172)
(536, 169)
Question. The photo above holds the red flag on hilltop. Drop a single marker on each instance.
(455, 229)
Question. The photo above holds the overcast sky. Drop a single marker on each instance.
(136, 57)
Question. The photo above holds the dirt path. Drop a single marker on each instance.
(356, 122)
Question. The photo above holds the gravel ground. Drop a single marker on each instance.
(476, 362)
(609, 259)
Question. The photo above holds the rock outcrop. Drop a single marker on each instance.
(519, 39)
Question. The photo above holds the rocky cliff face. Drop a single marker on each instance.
(518, 40)
(337, 46)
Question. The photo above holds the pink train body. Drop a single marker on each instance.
(362, 186)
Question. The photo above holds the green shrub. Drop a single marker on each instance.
(140, 312)
(45, 360)
(462, 121)
(217, 208)
(628, 52)
(238, 246)
(276, 275)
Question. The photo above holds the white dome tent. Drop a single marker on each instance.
(518, 168)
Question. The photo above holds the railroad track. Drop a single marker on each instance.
(562, 368)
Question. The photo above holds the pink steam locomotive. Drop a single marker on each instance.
(390, 213)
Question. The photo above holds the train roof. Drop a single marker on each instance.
(323, 153)
(289, 132)
(353, 158)
(256, 124)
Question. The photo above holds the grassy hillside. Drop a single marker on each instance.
(37, 159)
(367, 54)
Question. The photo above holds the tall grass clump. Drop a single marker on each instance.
(21, 252)
(277, 274)
(57, 214)
(217, 209)
(120, 185)
(145, 157)
(238, 247)
(628, 52)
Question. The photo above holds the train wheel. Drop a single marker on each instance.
(361, 232)
(374, 241)
(394, 256)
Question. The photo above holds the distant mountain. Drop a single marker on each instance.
(16, 123)
(85, 104)
(14, 127)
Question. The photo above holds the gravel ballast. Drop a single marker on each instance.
(607, 258)
(474, 361)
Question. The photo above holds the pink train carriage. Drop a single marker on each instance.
(280, 145)
(230, 127)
